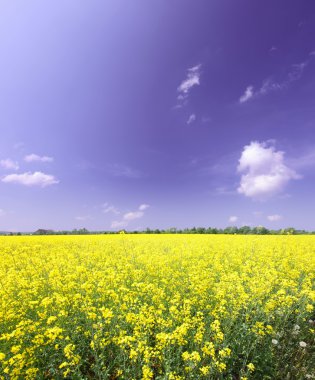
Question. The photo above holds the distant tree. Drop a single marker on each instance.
(244, 230)
(288, 231)
(260, 230)
(42, 231)
(82, 231)
(230, 230)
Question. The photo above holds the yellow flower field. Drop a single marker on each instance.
(157, 307)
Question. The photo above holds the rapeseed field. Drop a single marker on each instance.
(157, 307)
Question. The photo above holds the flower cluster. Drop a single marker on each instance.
(156, 307)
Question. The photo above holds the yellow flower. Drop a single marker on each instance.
(15, 349)
(251, 367)
(51, 320)
(205, 370)
(147, 373)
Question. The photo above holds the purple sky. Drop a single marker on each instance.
(157, 113)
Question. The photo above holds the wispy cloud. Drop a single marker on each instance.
(143, 207)
(248, 94)
(191, 118)
(192, 79)
(273, 49)
(83, 218)
(258, 214)
(269, 85)
(306, 160)
(264, 172)
(31, 179)
(118, 224)
(206, 119)
(133, 215)
(120, 170)
(9, 164)
(130, 216)
(2, 212)
(233, 219)
(18, 145)
(107, 208)
(36, 158)
(274, 218)
(223, 190)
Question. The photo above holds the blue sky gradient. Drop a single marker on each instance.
(124, 114)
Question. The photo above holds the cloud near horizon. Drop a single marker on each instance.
(31, 179)
(36, 158)
(130, 216)
(233, 219)
(274, 218)
(107, 208)
(264, 173)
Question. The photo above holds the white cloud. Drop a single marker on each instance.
(118, 224)
(133, 215)
(248, 94)
(191, 118)
(2, 212)
(143, 207)
(31, 179)
(192, 79)
(130, 216)
(107, 208)
(35, 158)
(274, 218)
(233, 219)
(264, 171)
(9, 164)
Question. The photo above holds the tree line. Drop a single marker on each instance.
(231, 230)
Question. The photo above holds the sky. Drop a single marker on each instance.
(134, 114)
